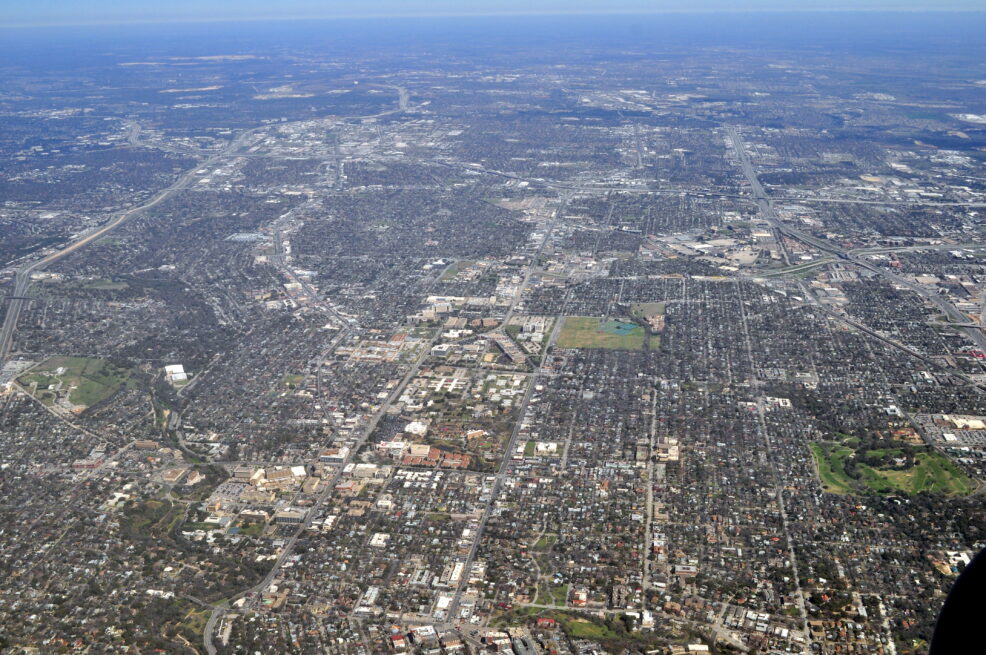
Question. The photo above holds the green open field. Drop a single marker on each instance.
(931, 471)
(454, 269)
(557, 595)
(194, 622)
(830, 461)
(86, 380)
(647, 308)
(292, 380)
(579, 628)
(149, 518)
(252, 530)
(590, 332)
(610, 631)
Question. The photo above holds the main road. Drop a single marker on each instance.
(511, 446)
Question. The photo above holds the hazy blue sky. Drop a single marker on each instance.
(110, 11)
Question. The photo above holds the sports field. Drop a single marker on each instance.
(591, 332)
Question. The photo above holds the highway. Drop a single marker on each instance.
(763, 201)
(905, 203)
(23, 277)
(638, 148)
(759, 195)
(22, 281)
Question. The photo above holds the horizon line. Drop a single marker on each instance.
(518, 14)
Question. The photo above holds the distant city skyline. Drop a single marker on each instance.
(66, 12)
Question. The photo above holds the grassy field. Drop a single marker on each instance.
(589, 332)
(292, 380)
(252, 530)
(558, 595)
(105, 285)
(931, 471)
(609, 632)
(146, 518)
(454, 269)
(579, 628)
(830, 461)
(194, 623)
(86, 380)
(647, 308)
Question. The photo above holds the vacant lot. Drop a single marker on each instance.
(590, 332)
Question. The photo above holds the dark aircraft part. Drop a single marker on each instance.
(958, 629)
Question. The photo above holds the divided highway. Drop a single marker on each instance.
(763, 201)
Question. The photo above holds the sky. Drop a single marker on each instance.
(52, 12)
